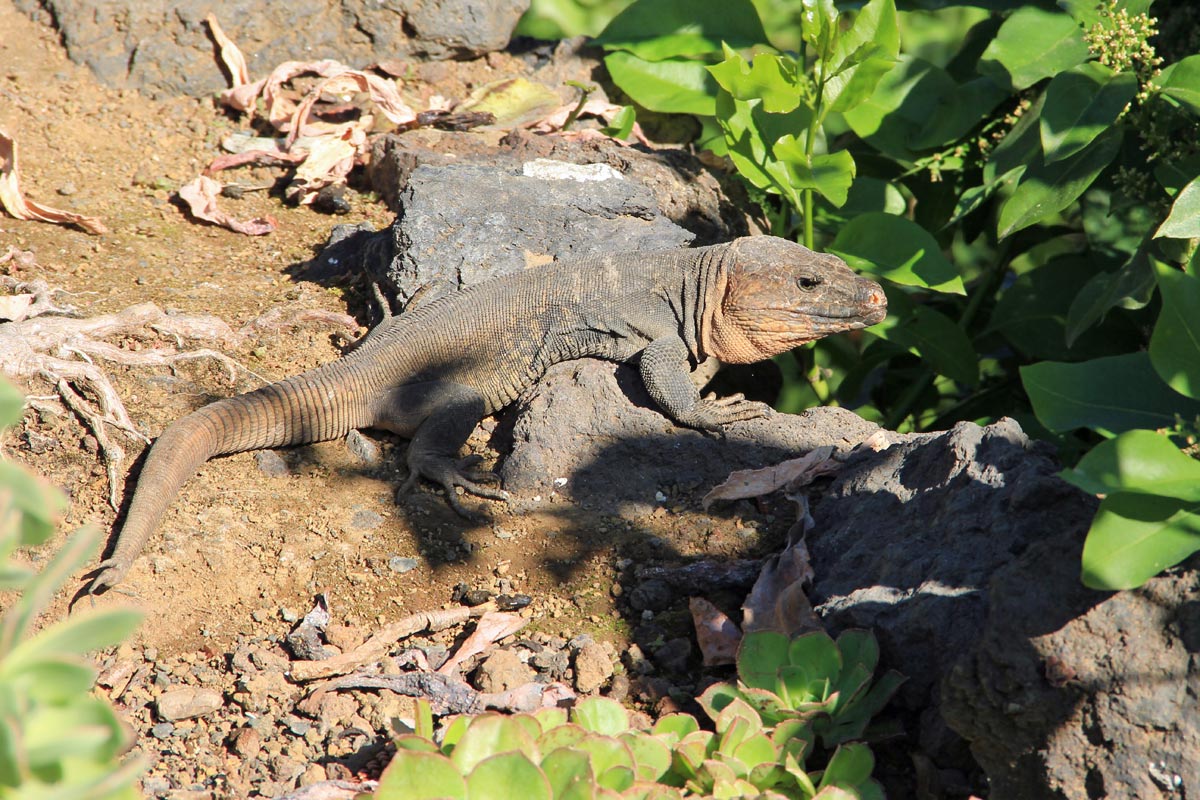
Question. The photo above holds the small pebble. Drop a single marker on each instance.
(402, 564)
(67, 189)
(162, 730)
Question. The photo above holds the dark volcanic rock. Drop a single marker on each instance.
(590, 432)
(165, 47)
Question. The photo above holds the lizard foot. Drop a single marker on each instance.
(450, 476)
(712, 412)
(106, 575)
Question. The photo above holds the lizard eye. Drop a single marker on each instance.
(808, 282)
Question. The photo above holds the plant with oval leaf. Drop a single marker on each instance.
(57, 740)
(593, 752)
(1026, 180)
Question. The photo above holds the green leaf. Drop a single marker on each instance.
(1033, 44)
(38, 503)
(859, 647)
(831, 174)
(1136, 536)
(601, 715)
(651, 754)
(622, 124)
(933, 336)
(1087, 12)
(673, 86)
(508, 776)
(1175, 343)
(17, 619)
(955, 113)
(898, 249)
(819, 27)
(1112, 394)
(1140, 461)
(1046, 189)
(850, 765)
(770, 78)
(413, 775)
(1032, 313)
(656, 30)
(487, 736)
(864, 54)
(570, 774)
(759, 658)
(12, 404)
(77, 634)
(1080, 105)
(1181, 81)
(818, 654)
(1184, 220)
(676, 726)
(902, 104)
(1130, 287)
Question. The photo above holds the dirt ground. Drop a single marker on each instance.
(240, 550)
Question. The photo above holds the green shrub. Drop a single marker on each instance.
(791, 693)
(57, 740)
(1025, 181)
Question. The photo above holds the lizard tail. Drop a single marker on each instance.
(316, 406)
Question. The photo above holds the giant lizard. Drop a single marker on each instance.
(431, 374)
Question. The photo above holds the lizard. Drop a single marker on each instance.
(434, 372)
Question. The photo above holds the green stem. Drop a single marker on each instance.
(810, 144)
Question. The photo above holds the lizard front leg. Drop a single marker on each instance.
(665, 371)
(439, 417)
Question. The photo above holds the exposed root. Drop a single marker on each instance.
(64, 351)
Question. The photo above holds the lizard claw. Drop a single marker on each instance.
(106, 575)
(712, 412)
(450, 477)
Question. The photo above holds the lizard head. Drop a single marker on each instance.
(772, 295)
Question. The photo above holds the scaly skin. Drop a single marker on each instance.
(432, 374)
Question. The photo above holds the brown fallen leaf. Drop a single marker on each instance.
(777, 601)
(329, 161)
(716, 633)
(20, 207)
(201, 198)
(792, 474)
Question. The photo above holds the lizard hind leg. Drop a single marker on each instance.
(451, 413)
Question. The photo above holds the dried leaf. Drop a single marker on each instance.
(491, 628)
(231, 56)
(201, 197)
(20, 207)
(512, 101)
(382, 91)
(791, 474)
(716, 633)
(777, 602)
(254, 157)
(329, 161)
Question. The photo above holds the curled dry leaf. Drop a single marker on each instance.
(201, 198)
(231, 56)
(491, 628)
(21, 207)
(716, 633)
(792, 474)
